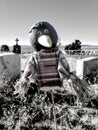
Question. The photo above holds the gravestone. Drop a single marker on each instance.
(85, 66)
(9, 66)
(17, 48)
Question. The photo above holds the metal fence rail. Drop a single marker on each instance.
(82, 52)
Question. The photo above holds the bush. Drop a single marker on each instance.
(74, 46)
(38, 114)
(5, 48)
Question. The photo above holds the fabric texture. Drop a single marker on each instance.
(47, 68)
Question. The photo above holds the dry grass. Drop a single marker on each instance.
(36, 112)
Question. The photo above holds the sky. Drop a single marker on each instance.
(72, 19)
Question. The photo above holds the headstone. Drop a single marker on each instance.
(9, 66)
(17, 48)
(85, 66)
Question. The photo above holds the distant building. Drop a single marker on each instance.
(17, 48)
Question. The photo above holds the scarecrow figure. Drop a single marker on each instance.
(48, 66)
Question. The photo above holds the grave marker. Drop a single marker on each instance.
(85, 66)
(9, 66)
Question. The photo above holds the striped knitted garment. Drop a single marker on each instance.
(48, 69)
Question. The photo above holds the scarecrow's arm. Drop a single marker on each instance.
(63, 66)
(29, 72)
(79, 86)
(24, 85)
